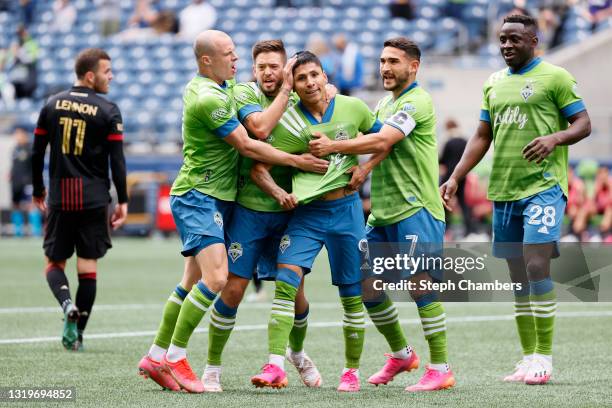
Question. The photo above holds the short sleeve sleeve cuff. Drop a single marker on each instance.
(484, 115)
(246, 110)
(227, 128)
(376, 126)
(573, 108)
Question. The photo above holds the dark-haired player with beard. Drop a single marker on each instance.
(531, 112)
(406, 208)
(85, 132)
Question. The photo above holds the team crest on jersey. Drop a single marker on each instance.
(270, 139)
(235, 251)
(527, 90)
(342, 134)
(285, 243)
(410, 108)
(218, 219)
(219, 114)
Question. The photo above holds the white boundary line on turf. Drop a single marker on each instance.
(257, 327)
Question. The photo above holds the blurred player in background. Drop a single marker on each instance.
(525, 113)
(332, 215)
(202, 200)
(259, 220)
(406, 207)
(21, 186)
(85, 131)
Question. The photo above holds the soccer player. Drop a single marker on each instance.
(202, 199)
(525, 113)
(406, 207)
(331, 215)
(259, 220)
(85, 131)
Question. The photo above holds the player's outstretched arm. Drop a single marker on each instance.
(260, 124)
(375, 143)
(39, 148)
(540, 147)
(475, 150)
(263, 152)
(260, 174)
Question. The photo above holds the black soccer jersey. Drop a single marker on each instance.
(84, 130)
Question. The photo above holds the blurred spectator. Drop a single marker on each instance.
(7, 90)
(109, 14)
(454, 8)
(318, 46)
(451, 154)
(348, 72)
(595, 196)
(164, 23)
(21, 185)
(599, 10)
(548, 27)
(402, 9)
(27, 9)
(5, 5)
(65, 15)
(195, 18)
(22, 59)
(576, 196)
(289, 3)
(144, 14)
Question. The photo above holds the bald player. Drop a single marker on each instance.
(202, 199)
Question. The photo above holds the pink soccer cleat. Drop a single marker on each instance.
(183, 375)
(520, 370)
(271, 376)
(149, 368)
(349, 382)
(433, 380)
(393, 366)
(539, 372)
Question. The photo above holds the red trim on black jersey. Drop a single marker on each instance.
(40, 131)
(115, 137)
(72, 194)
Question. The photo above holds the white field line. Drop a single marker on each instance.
(257, 327)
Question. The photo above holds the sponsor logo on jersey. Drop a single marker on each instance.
(511, 116)
(235, 251)
(218, 219)
(219, 114)
(527, 90)
(285, 242)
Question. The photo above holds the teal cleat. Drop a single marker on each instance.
(70, 336)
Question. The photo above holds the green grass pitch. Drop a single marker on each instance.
(136, 277)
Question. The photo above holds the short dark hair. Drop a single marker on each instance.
(408, 46)
(269, 46)
(527, 21)
(305, 57)
(88, 60)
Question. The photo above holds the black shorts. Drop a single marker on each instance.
(21, 193)
(87, 230)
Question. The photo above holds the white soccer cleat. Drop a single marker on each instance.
(540, 370)
(212, 379)
(520, 370)
(306, 369)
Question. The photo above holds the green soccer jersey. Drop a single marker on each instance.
(535, 101)
(407, 179)
(249, 99)
(209, 163)
(344, 118)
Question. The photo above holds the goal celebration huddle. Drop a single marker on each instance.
(270, 175)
